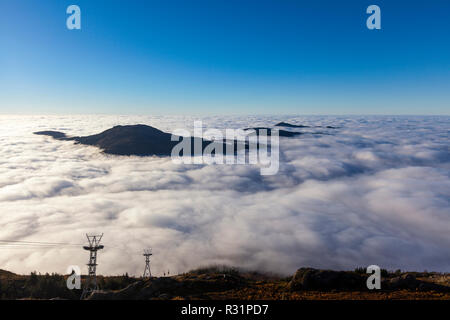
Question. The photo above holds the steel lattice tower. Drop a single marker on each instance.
(91, 281)
(147, 272)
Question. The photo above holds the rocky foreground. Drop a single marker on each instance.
(307, 283)
(215, 283)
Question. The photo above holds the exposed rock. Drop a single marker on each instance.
(409, 281)
(313, 279)
(405, 281)
(167, 287)
(123, 294)
(323, 280)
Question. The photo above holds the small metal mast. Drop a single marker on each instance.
(147, 272)
(94, 246)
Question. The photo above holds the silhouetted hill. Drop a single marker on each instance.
(139, 140)
(143, 140)
(6, 274)
(289, 125)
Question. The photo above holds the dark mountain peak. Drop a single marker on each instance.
(136, 139)
(134, 129)
(128, 132)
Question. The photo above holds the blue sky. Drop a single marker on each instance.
(225, 57)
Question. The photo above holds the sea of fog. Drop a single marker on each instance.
(374, 191)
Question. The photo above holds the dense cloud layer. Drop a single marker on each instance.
(374, 191)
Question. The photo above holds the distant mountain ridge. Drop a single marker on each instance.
(282, 133)
(285, 124)
(289, 125)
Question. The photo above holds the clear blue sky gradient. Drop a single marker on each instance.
(225, 57)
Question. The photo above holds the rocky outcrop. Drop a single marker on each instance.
(139, 290)
(314, 279)
(408, 281)
(325, 280)
(186, 286)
